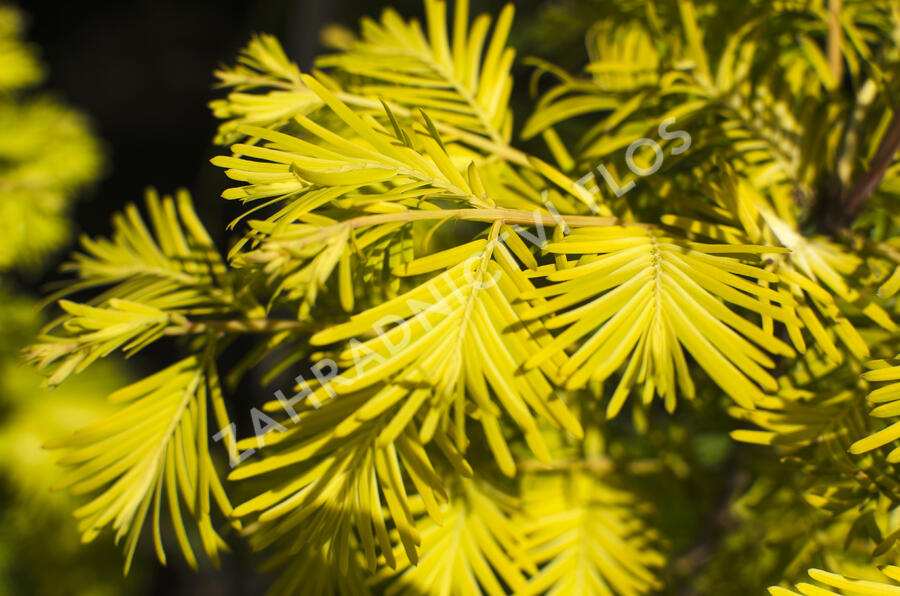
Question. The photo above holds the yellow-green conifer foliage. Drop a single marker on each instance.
(499, 334)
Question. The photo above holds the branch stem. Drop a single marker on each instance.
(509, 216)
(835, 39)
(869, 181)
(242, 326)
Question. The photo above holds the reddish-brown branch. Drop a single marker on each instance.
(869, 181)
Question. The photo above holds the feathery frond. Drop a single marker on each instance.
(267, 90)
(463, 81)
(586, 538)
(476, 549)
(154, 449)
(817, 273)
(837, 585)
(397, 394)
(153, 280)
(887, 398)
(631, 294)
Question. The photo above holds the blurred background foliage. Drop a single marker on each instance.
(48, 156)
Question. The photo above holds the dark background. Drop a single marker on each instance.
(143, 72)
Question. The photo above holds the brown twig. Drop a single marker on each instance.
(243, 326)
(869, 181)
